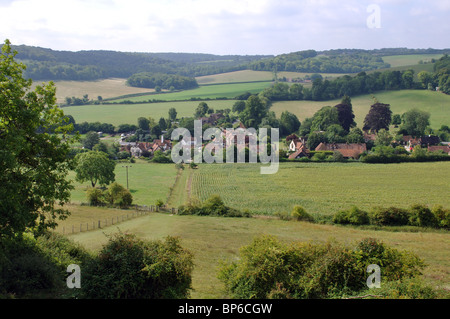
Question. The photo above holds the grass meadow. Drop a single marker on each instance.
(409, 59)
(147, 182)
(213, 239)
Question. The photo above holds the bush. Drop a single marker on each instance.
(95, 196)
(442, 216)
(299, 213)
(213, 206)
(391, 216)
(268, 268)
(128, 268)
(353, 216)
(30, 265)
(422, 216)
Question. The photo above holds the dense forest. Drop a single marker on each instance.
(47, 64)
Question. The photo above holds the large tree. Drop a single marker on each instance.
(94, 167)
(255, 110)
(34, 157)
(379, 117)
(324, 117)
(415, 121)
(289, 123)
(345, 113)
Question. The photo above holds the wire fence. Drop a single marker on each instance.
(138, 211)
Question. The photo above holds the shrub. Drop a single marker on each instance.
(391, 216)
(117, 195)
(29, 265)
(353, 216)
(128, 268)
(421, 216)
(442, 216)
(300, 214)
(268, 268)
(213, 206)
(95, 196)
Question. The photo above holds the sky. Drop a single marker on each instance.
(242, 27)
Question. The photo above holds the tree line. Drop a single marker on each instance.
(160, 81)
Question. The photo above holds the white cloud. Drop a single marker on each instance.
(219, 26)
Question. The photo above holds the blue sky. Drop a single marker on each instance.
(225, 26)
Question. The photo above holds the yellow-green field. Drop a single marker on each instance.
(212, 239)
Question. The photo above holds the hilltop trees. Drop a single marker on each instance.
(33, 160)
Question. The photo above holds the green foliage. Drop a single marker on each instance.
(299, 213)
(421, 216)
(414, 122)
(115, 196)
(91, 140)
(30, 265)
(34, 151)
(95, 167)
(212, 206)
(391, 216)
(130, 268)
(268, 268)
(442, 216)
(353, 216)
(161, 81)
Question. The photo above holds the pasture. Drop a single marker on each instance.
(147, 182)
(117, 114)
(409, 59)
(212, 239)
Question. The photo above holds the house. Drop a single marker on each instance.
(301, 151)
(437, 148)
(347, 150)
(161, 145)
(369, 137)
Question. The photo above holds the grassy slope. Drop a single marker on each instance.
(409, 59)
(213, 239)
(436, 103)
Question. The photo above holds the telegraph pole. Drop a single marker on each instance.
(126, 166)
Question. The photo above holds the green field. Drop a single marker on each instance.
(323, 188)
(230, 90)
(147, 182)
(212, 239)
(436, 103)
(409, 59)
(117, 114)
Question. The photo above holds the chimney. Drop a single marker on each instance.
(162, 139)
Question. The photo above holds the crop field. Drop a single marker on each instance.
(323, 188)
(106, 88)
(436, 103)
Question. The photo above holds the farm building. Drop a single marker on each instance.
(347, 150)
